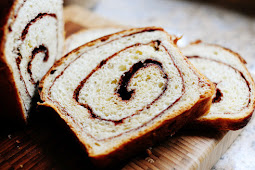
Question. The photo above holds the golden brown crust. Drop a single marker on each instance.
(223, 123)
(165, 130)
(11, 104)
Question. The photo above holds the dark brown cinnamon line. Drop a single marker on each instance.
(93, 115)
(122, 90)
(18, 61)
(145, 30)
(123, 84)
(218, 96)
(23, 36)
(38, 17)
(236, 70)
(40, 49)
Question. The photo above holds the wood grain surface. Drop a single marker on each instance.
(46, 144)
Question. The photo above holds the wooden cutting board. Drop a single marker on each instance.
(43, 144)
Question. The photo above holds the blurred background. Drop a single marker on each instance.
(245, 6)
(230, 23)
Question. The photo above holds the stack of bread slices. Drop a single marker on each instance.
(119, 92)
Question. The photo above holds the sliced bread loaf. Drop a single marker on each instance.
(219, 121)
(123, 92)
(31, 40)
(233, 102)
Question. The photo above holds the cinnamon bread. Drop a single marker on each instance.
(224, 123)
(123, 92)
(233, 102)
(31, 41)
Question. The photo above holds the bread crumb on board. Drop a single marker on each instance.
(149, 159)
(148, 151)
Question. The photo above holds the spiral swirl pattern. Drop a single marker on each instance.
(122, 83)
(35, 31)
(123, 95)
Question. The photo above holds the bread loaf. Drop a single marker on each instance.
(233, 102)
(213, 62)
(123, 92)
(31, 41)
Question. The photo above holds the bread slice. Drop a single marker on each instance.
(31, 40)
(233, 102)
(123, 92)
(85, 36)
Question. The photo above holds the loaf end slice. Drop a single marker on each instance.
(123, 92)
(233, 101)
(31, 40)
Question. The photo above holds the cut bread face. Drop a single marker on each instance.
(32, 41)
(121, 92)
(85, 36)
(233, 101)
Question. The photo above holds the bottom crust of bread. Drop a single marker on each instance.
(167, 129)
(221, 123)
(134, 147)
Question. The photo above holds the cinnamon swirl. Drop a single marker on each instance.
(233, 102)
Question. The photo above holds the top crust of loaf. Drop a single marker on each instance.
(226, 121)
(170, 123)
